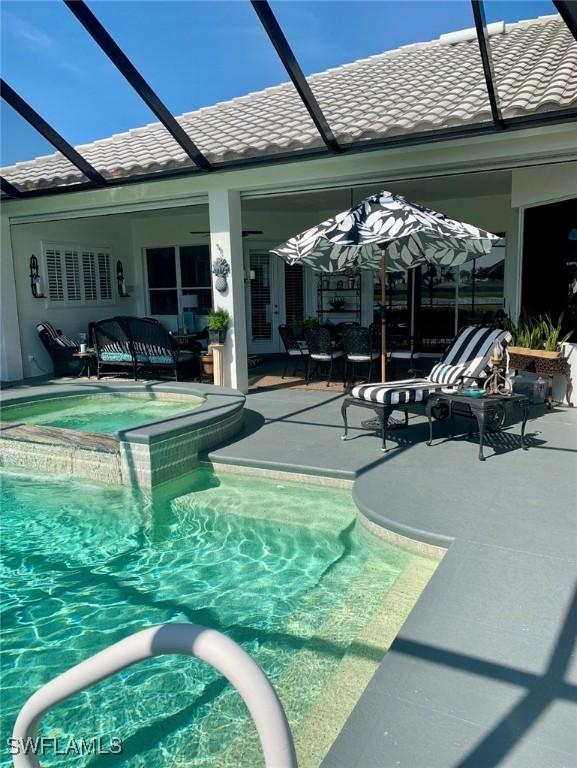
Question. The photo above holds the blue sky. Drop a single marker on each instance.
(194, 54)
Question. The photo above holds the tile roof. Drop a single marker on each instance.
(420, 87)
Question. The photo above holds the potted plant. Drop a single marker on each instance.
(537, 337)
(207, 364)
(537, 349)
(217, 324)
(310, 322)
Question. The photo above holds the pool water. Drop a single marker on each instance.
(282, 568)
(105, 413)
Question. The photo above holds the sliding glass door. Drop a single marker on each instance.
(427, 305)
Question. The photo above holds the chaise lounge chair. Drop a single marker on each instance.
(468, 357)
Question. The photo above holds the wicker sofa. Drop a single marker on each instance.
(136, 345)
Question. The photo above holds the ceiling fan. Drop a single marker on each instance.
(245, 232)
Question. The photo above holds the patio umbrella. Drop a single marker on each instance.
(386, 232)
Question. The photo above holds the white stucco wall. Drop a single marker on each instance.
(544, 184)
(112, 231)
(10, 359)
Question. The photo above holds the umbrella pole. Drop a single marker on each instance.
(384, 258)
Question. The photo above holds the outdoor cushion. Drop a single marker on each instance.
(473, 345)
(363, 358)
(302, 349)
(65, 341)
(448, 375)
(254, 361)
(116, 357)
(326, 355)
(57, 338)
(396, 392)
(155, 359)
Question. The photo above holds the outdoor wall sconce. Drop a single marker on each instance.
(122, 292)
(221, 269)
(35, 280)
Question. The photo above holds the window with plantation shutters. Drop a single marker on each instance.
(72, 272)
(89, 272)
(54, 275)
(104, 281)
(78, 275)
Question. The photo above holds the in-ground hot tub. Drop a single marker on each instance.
(108, 413)
(129, 434)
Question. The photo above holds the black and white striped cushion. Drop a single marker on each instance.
(473, 346)
(396, 392)
(448, 375)
(48, 328)
(58, 338)
(66, 341)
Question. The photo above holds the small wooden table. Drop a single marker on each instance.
(489, 411)
(186, 340)
(86, 358)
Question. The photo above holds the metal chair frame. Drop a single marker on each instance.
(319, 343)
(291, 344)
(358, 341)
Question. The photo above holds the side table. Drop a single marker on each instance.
(489, 412)
(86, 359)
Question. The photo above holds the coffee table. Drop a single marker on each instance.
(489, 411)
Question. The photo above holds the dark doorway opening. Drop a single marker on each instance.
(550, 262)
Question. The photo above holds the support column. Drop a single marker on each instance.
(514, 264)
(226, 242)
(10, 346)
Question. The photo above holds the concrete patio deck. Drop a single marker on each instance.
(484, 671)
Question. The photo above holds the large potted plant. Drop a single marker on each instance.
(217, 324)
(537, 348)
(536, 338)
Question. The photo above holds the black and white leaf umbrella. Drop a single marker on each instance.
(386, 232)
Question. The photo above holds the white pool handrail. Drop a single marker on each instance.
(190, 639)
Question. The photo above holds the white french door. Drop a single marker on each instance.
(264, 313)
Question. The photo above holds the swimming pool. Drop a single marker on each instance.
(283, 568)
(108, 413)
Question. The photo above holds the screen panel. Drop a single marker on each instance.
(59, 70)
(536, 78)
(198, 55)
(19, 142)
(402, 79)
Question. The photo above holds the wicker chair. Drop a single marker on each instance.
(321, 351)
(297, 350)
(136, 344)
(61, 349)
(358, 348)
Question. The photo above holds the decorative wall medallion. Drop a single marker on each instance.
(221, 269)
